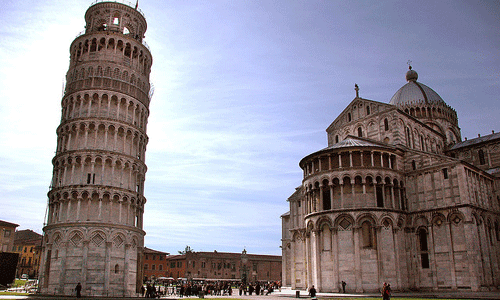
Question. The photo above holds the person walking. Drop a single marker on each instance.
(257, 289)
(343, 286)
(312, 292)
(386, 291)
(78, 290)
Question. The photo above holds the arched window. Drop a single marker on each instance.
(497, 231)
(336, 139)
(367, 110)
(102, 44)
(367, 234)
(360, 132)
(481, 157)
(386, 125)
(380, 195)
(326, 238)
(93, 46)
(413, 165)
(490, 235)
(128, 49)
(117, 269)
(349, 117)
(452, 138)
(327, 202)
(445, 173)
(402, 197)
(408, 137)
(424, 248)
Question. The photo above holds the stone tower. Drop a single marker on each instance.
(93, 232)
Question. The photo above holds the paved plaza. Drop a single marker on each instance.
(288, 293)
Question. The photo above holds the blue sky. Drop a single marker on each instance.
(243, 91)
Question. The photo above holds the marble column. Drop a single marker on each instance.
(63, 246)
(126, 267)
(316, 264)
(84, 265)
(335, 249)
(451, 254)
(432, 256)
(473, 255)
(107, 266)
(357, 260)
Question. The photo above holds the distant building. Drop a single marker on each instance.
(176, 266)
(7, 231)
(483, 152)
(8, 259)
(154, 263)
(224, 266)
(29, 245)
(396, 197)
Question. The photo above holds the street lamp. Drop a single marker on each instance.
(244, 261)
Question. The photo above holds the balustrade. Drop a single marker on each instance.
(346, 160)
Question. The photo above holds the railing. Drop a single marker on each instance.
(143, 42)
(80, 34)
(128, 3)
(124, 87)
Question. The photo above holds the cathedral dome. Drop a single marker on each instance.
(415, 92)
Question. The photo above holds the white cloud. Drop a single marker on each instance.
(243, 91)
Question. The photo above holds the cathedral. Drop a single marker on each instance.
(396, 197)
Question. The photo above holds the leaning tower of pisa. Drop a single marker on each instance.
(93, 232)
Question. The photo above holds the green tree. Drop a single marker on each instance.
(187, 250)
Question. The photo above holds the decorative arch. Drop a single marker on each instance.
(98, 238)
(366, 222)
(76, 238)
(344, 222)
(423, 246)
(118, 240)
(57, 239)
(420, 221)
(297, 236)
(324, 221)
(309, 227)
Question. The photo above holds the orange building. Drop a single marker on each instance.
(29, 245)
(176, 266)
(154, 264)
